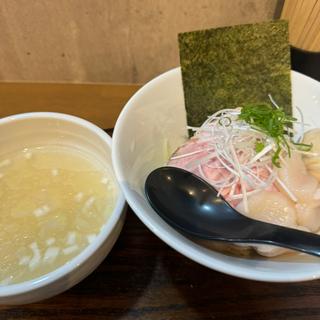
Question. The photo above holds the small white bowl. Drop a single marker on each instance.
(150, 127)
(43, 128)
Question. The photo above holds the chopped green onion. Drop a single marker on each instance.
(274, 122)
(303, 146)
(259, 146)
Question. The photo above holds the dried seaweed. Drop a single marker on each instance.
(232, 66)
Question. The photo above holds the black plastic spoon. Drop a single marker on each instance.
(193, 206)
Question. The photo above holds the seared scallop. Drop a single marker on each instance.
(294, 175)
(272, 207)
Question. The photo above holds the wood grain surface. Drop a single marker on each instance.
(144, 279)
(127, 41)
(304, 23)
(98, 103)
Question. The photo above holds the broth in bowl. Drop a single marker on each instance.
(61, 209)
(53, 202)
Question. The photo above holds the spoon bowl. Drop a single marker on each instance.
(191, 205)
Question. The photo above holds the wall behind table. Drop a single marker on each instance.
(128, 41)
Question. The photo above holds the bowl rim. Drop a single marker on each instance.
(170, 239)
(48, 278)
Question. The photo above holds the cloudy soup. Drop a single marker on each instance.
(53, 203)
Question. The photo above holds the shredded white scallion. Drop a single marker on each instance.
(236, 159)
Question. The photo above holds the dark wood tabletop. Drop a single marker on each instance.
(143, 278)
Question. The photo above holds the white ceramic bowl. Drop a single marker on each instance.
(43, 128)
(150, 128)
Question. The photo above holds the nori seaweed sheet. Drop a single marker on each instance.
(232, 66)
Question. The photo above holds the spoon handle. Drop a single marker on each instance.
(306, 242)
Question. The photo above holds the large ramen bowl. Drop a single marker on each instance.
(151, 126)
(43, 128)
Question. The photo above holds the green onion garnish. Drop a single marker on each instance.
(259, 146)
(273, 122)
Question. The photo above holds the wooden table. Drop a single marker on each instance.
(142, 278)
